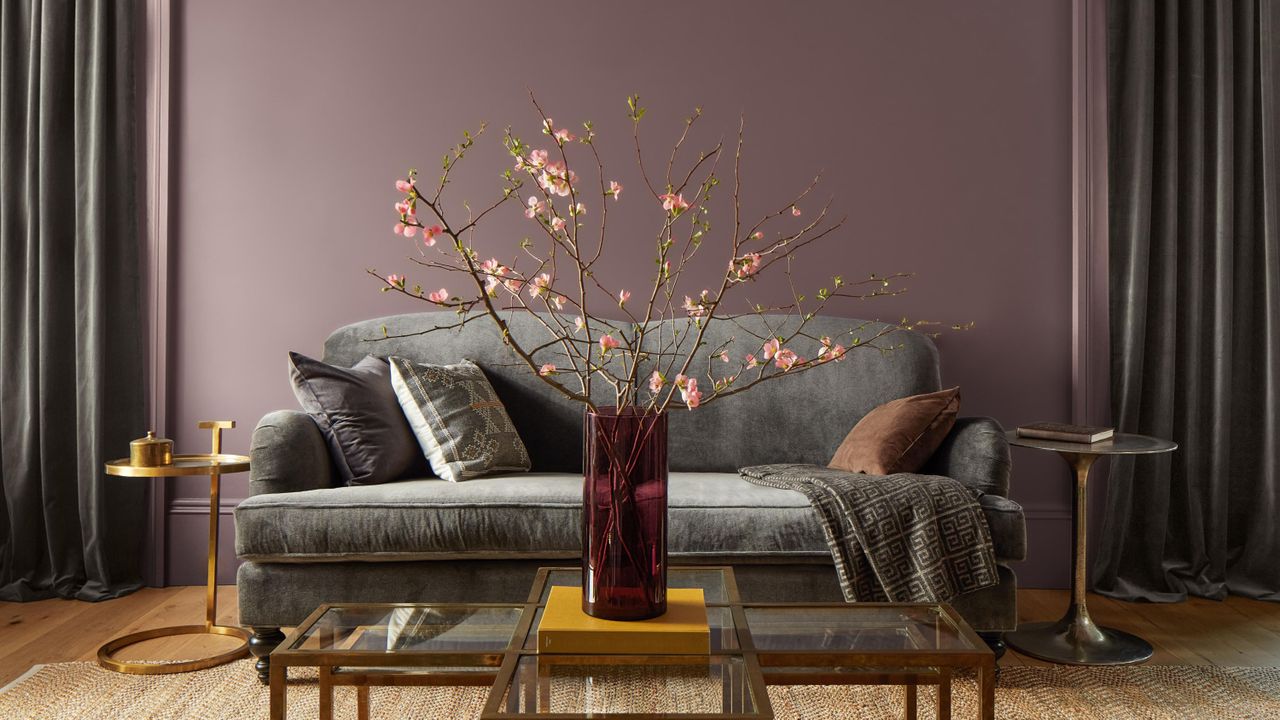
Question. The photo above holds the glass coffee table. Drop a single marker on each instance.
(753, 645)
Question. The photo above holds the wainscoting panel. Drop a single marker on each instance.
(187, 536)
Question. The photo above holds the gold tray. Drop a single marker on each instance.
(187, 464)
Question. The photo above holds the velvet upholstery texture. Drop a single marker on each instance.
(72, 318)
(899, 436)
(418, 540)
(1194, 241)
(711, 516)
(282, 595)
(356, 409)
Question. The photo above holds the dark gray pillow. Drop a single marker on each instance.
(361, 420)
(458, 419)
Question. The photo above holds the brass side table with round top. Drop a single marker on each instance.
(214, 464)
(1076, 639)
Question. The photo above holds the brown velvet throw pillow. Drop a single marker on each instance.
(900, 435)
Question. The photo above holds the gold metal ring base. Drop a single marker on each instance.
(135, 667)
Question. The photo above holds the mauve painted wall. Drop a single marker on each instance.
(943, 127)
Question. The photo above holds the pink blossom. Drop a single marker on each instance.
(607, 343)
(547, 369)
(513, 285)
(395, 280)
(558, 301)
(689, 392)
(562, 135)
(698, 308)
(556, 179)
(410, 231)
(403, 207)
(674, 203)
(724, 356)
(745, 266)
(770, 348)
(835, 353)
(577, 209)
(795, 211)
(557, 223)
(440, 296)
(539, 285)
(785, 359)
(404, 186)
(535, 207)
(493, 270)
(656, 381)
(758, 235)
(547, 124)
(666, 268)
(398, 229)
(623, 297)
(752, 361)
(615, 188)
(429, 234)
(537, 159)
(579, 324)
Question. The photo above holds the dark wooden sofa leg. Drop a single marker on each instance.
(995, 641)
(264, 640)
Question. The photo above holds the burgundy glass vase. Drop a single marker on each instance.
(624, 514)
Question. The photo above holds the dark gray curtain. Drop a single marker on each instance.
(71, 350)
(1194, 167)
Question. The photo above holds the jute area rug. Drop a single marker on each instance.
(82, 690)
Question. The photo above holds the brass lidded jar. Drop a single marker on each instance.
(151, 451)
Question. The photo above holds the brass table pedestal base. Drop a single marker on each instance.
(213, 464)
(150, 667)
(1076, 640)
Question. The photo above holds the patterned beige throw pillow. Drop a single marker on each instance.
(459, 421)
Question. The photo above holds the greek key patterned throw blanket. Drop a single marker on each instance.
(896, 538)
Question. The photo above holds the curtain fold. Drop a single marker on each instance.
(72, 389)
(1195, 299)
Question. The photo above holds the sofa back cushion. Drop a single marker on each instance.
(800, 419)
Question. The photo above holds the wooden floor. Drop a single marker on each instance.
(1197, 632)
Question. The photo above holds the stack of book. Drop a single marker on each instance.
(1065, 433)
(566, 629)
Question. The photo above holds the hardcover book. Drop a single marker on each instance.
(1065, 433)
(683, 630)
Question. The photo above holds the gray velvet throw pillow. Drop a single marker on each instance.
(369, 439)
(458, 419)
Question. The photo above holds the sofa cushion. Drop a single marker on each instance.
(536, 515)
(900, 435)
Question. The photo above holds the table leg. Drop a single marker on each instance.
(912, 700)
(987, 690)
(279, 687)
(326, 693)
(362, 702)
(1076, 639)
(944, 693)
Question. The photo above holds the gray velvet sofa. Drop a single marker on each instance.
(304, 541)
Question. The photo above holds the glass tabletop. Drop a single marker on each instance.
(666, 686)
(411, 629)
(854, 629)
(711, 580)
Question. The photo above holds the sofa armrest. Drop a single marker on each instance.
(288, 454)
(975, 453)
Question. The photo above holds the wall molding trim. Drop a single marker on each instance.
(1090, 362)
(200, 506)
(157, 81)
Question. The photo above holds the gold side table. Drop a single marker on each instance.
(213, 464)
(1076, 639)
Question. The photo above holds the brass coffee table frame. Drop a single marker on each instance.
(364, 669)
(213, 464)
(1075, 639)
